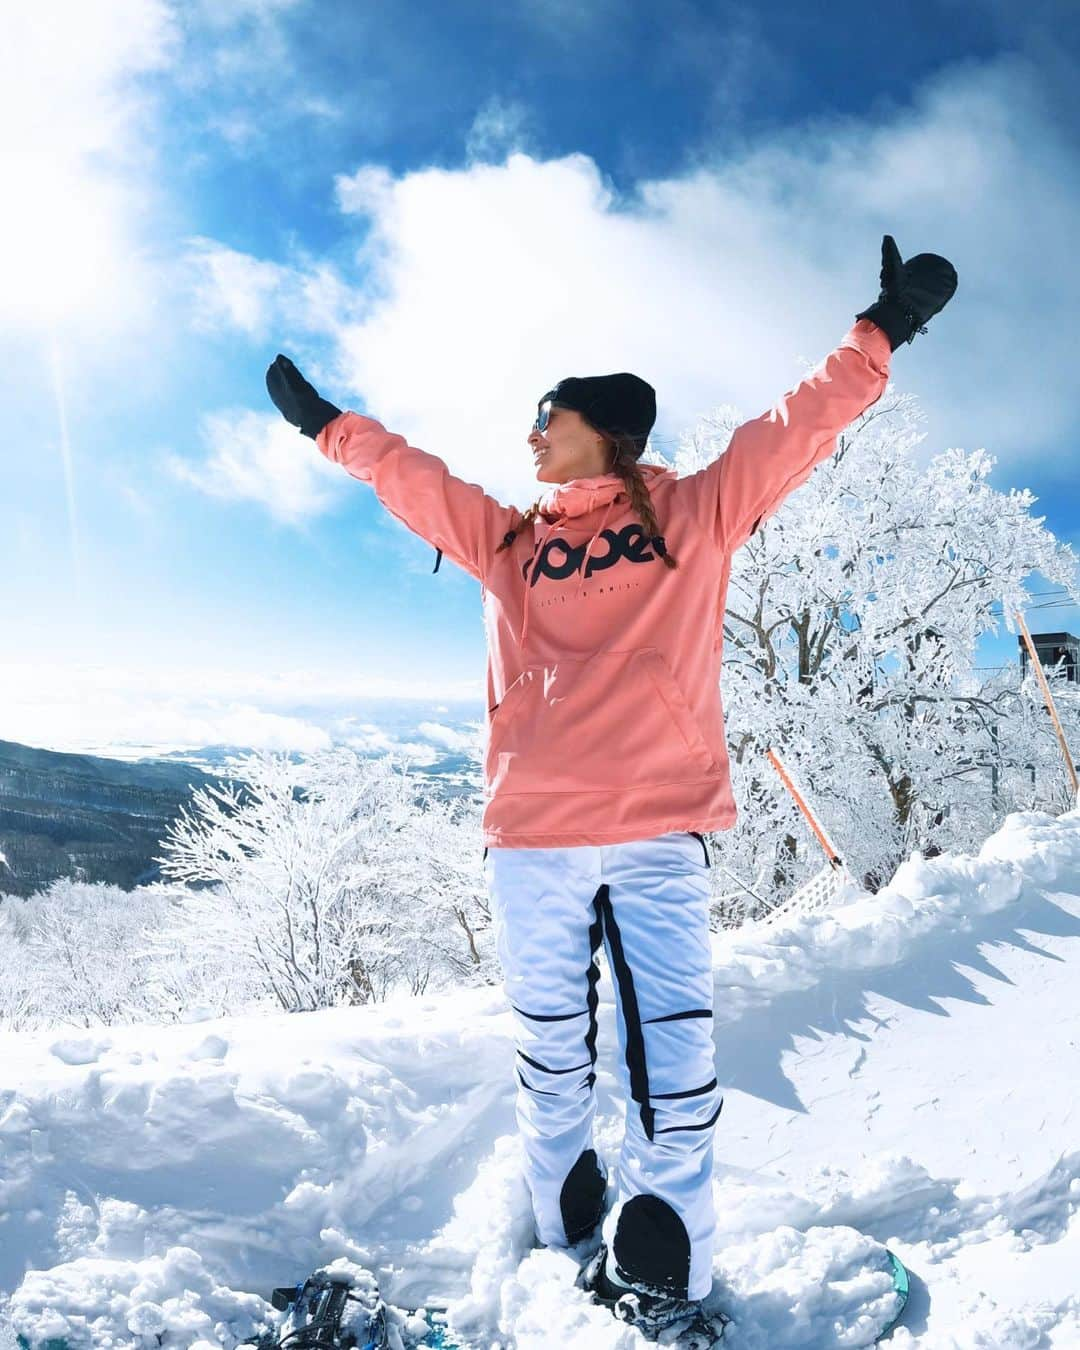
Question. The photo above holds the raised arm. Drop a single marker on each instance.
(772, 455)
(456, 517)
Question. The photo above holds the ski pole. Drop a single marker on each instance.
(1037, 665)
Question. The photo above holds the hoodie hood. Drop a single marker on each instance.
(582, 495)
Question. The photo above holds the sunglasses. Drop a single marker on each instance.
(543, 417)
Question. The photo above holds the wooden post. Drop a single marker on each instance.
(822, 837)
(1037, 665)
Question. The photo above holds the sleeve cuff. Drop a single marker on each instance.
(866, 337)
(330, 439)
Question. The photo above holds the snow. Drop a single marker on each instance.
(900, 1071)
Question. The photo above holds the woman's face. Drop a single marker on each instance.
(568, 448)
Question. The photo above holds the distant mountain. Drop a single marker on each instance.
(85, 816)
(101, 819)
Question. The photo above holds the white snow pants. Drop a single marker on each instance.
(648, 901)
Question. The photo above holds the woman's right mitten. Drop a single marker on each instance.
(296, 399)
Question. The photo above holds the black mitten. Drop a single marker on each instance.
(911, 292)
(296, 400)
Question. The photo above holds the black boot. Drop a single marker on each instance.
(650, 1311)
(644, 1280)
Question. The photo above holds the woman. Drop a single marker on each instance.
(606, 762)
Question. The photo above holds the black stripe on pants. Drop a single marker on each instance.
(635, 1040)
(592, 1000)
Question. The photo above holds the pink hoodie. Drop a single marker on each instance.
(604, 715)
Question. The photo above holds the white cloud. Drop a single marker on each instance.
(244, 80)
(178, 722)
(65, 74)
(499, 127)
(232, 291)
(87, 187)
(372, 740)
(478, 288)
(447, 736)
(261, 458)
(367, 192)
(75, 162)
(106, 708)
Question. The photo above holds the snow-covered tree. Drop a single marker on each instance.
(334, 879)
(296, 886)
(76, 953)
(850, 630)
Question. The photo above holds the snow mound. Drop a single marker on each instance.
(98, 1301)
(897, 1073)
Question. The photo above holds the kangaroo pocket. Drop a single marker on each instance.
(616, 720)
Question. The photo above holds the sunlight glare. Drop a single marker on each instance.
(60, 237)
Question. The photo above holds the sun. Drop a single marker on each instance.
(60, 238)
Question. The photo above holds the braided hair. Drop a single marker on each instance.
(623, 463)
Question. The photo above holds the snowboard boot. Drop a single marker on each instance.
(650, 1310)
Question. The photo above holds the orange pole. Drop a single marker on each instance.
(1037, 664)
(823, 839)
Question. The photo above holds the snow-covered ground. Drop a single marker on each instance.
(902, 1071)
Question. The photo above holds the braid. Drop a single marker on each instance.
(513, 532)
(624, 464)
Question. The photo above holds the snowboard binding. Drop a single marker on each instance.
(339, 1307)
(329, 1311)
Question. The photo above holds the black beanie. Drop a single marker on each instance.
(619, 404)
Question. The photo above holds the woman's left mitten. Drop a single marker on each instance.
(912, 292)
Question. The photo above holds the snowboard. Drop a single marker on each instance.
(318, 1308)
(902, 1286)
(439, 1337)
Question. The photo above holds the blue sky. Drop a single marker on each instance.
(438, 210)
